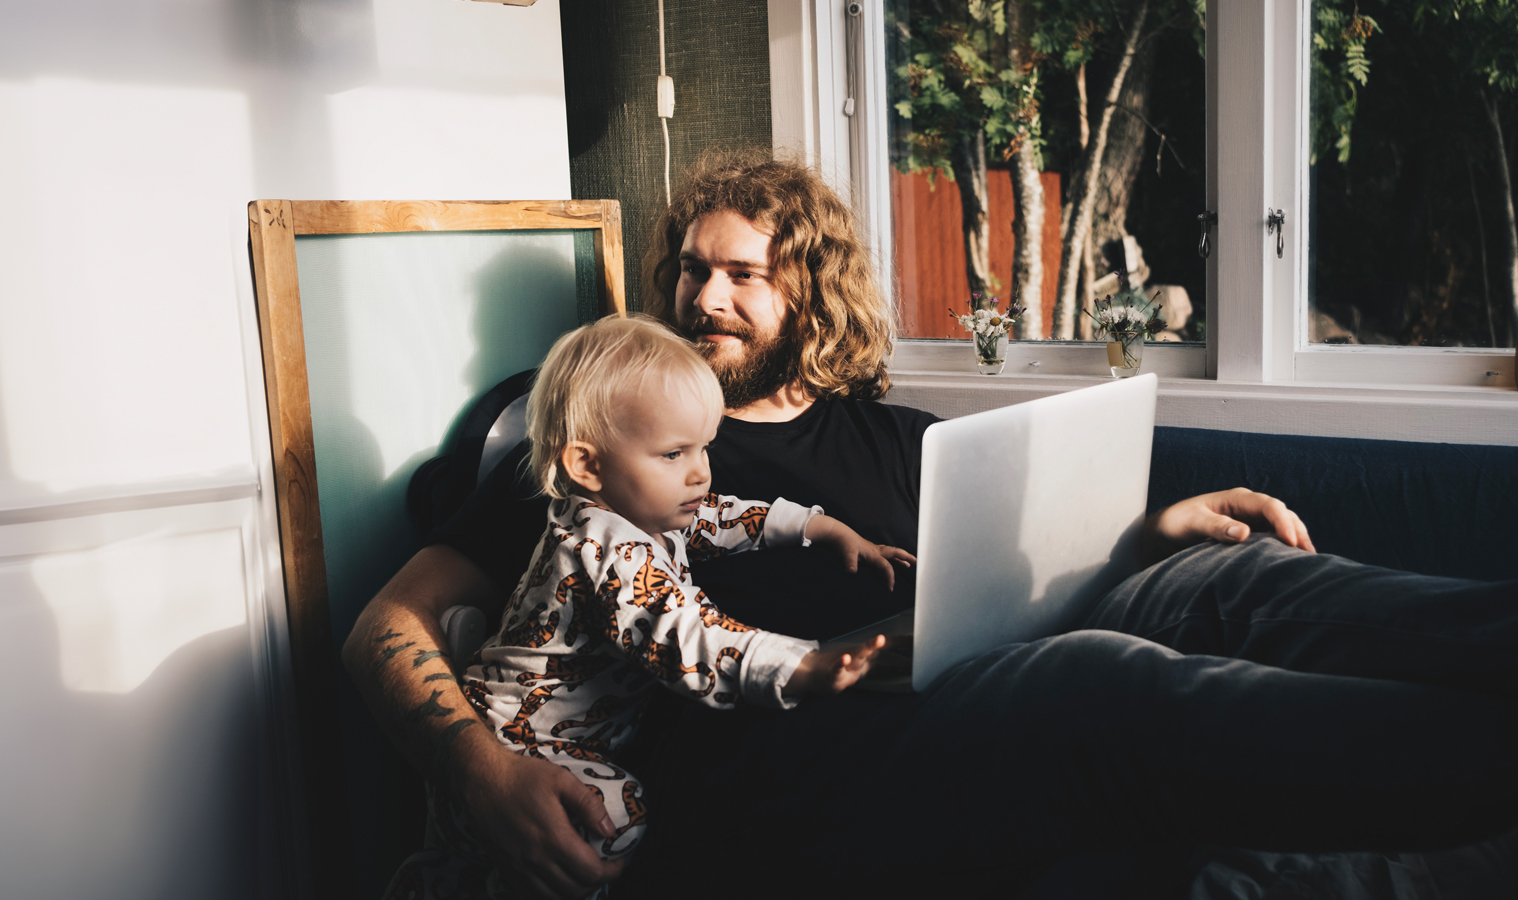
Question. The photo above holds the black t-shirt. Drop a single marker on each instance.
(860, 460)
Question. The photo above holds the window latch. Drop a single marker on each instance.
(1205, 220)
(1275, 223)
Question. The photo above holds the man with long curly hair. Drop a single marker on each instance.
(1286, 699)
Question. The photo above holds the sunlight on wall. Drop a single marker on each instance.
(122, 609)
(387, 143)
(115, 270)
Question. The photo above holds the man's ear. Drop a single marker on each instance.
(582, 465)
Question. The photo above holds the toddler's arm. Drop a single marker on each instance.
(726, 524)
(661, 623)
(854, 549)
(830, 671)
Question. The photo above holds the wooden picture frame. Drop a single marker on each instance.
(272, 228)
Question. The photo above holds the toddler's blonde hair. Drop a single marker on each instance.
(590, 370)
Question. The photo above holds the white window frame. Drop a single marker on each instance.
(1261, 328)
(1257, 363)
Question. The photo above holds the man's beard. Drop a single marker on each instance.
(766, 364)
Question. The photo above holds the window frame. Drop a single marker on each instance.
(1256, 303)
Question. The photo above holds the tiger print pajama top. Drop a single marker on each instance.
(605, 613)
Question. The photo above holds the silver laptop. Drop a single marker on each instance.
(1028, 515)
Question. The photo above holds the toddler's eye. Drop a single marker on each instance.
(673, 454)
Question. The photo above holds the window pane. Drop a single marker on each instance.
(1001, 109)
(1411, 233)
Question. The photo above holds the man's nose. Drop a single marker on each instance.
(716, 294)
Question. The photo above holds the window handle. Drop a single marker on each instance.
(1205, 220)
(1275, 222)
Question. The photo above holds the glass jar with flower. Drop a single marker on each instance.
(1126, 319)
(989, 328)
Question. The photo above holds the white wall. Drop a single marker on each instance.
(140, 600)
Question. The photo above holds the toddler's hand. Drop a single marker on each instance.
(854, 550)
(830, 671)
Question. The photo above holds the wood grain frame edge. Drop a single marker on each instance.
(276, 288)
(610, 262)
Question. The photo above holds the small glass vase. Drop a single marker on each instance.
(1125, 354)
(990, 353)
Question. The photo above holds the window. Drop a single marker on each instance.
(1260, 297)
(1013, 174)
(1409, 136)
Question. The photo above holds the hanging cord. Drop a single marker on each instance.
(666, 100)
(851, 53)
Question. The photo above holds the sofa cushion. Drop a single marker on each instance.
(1438, 509)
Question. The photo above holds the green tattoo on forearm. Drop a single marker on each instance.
(439, 676)
(389, 653)
(424, 655)
(445, 738)
(431, 709)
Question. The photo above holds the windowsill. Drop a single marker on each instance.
(943, 381)
(1045, 358)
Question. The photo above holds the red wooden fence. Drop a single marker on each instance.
(930, 249)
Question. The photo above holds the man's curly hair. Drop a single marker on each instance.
(844, 325)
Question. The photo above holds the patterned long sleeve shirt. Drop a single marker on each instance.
(605, 612)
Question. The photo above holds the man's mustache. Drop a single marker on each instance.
(703, 324)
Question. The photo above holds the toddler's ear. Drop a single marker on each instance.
(582, 465)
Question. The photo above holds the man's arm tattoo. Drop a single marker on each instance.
(424, 655)
(390, 635)
(431, 709)
(389, 653)
(439, 676)
(445, 738)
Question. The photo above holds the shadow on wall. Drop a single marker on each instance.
(146, 794)
(131, 762)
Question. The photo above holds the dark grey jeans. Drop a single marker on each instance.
(1249, 696)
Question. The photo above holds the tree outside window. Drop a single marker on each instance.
(1069, 135)
(1041, 146)
(1412, 239)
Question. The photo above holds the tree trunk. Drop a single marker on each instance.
(969, 163)
(1127, 144)
(1082, 110)
(1077, 220)
(1028, 242)
(1505, 182)
(1028, 195)
(1084, 288)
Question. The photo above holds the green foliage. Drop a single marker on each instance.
(956, 76)
(1479, 36)
(957, 79)
(1483, 35)
(1340, 67)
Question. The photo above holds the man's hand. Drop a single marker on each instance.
(830, 671)
(1225, 516)
(525, 807)
(526, 810)
(854, 550)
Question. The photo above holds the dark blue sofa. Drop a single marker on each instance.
(1437, 509)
